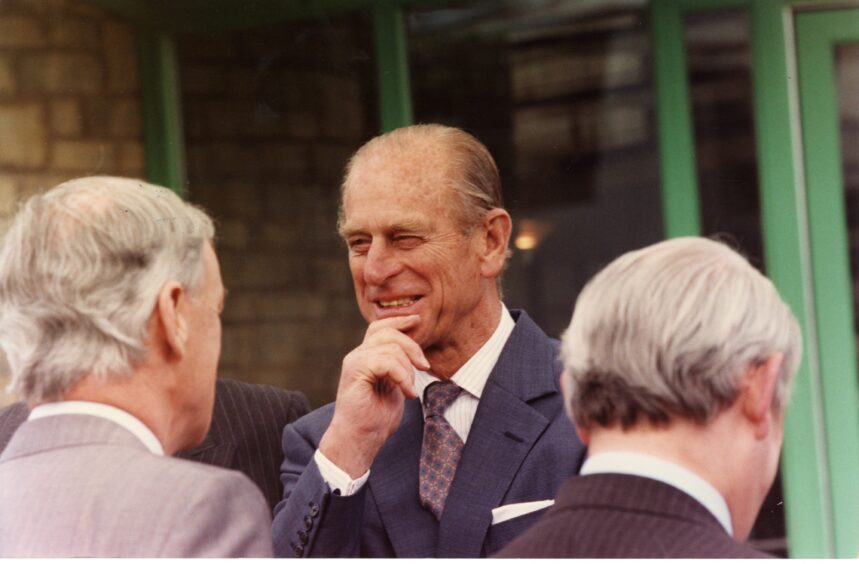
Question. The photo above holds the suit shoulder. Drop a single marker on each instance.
(256, 393)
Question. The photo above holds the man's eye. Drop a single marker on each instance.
(358, 245)
(407, 241)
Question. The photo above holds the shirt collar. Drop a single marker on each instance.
(646, 466)
(472, 375)
(122, 418)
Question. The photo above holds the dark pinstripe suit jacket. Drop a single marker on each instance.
(247, 423)
(620, 516)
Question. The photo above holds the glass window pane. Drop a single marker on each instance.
(561, 94)
(719, 65)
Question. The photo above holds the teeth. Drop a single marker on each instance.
(398, 303)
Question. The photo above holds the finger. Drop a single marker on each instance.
(400, 323)
(394, 367)
(412, 350)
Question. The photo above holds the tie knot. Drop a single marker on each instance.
(438, 396)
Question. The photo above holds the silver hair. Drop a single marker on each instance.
(667, 331)
(80, 272)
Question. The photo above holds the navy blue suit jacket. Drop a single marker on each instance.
(520, 448)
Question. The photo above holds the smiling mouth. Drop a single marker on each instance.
(402, 302)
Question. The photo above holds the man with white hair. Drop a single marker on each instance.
(677, 369)
(110, 295)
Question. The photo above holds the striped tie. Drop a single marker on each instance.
(441, 447)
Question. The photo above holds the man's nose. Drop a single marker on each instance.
(381, 264)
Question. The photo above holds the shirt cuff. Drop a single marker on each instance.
(339, 481)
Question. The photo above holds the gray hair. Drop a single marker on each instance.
(667, 331)
(471, 171)
(80, 272)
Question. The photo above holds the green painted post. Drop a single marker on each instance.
(395, 102)
(817, 34)
(788, 262)
(162, 114)
(680, 207)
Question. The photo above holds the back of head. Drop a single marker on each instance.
(80, 272)
(666, 331)
(465, 163)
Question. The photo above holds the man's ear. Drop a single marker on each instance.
(497, 227)
(173, 324)
(759, 385)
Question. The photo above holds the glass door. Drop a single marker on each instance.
(827, 49)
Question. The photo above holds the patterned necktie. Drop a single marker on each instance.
(441, 448)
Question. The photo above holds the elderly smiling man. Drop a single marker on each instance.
(448, 436)
(110, 296)
(677, 369)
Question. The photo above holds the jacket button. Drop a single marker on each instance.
(308, 523)
(302, 536)
(314, 509)
(298, 550)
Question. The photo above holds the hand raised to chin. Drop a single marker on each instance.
(375, 380)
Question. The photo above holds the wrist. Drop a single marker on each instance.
(354, 454)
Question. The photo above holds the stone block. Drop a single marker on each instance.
(280, 343)
(61, 73)
(8, 82)
(242, 81)
(23, 135)
(239, 345)
(282, 235)
(21, 32)
(69, 33)
(204, 79)
(32, 184)
(8, 195)
(303, 123)
(119, 45)
(125, 119)
(330, 160)
(131, 158)
(233, 234)
(342, 108)
(202, 47)
(86, 157)
(282, 158)
(66, 117)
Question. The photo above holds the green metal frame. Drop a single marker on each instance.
(680, 205)
(817, 34)
(395, 99)
(816, 465)
(162, 110)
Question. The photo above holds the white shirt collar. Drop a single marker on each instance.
(122, 418)
(472, 375)
(646, 466)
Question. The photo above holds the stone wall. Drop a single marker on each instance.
(271, 115)
(69, 100)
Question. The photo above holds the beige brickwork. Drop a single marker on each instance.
(270, 123)
(69, 101)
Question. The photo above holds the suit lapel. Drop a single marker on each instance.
(394, 485)
(504, 430)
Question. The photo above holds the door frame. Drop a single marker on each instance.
(819, 509)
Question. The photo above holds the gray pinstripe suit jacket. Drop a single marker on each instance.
(247, 423)
(79, 485)
(621, 516)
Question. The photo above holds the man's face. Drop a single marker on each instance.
(408, 253)
(203, 325)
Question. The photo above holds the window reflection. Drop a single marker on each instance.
(560, 93)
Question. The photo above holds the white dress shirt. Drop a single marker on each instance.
(646, 466)
(122, 418)
(471, 377)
